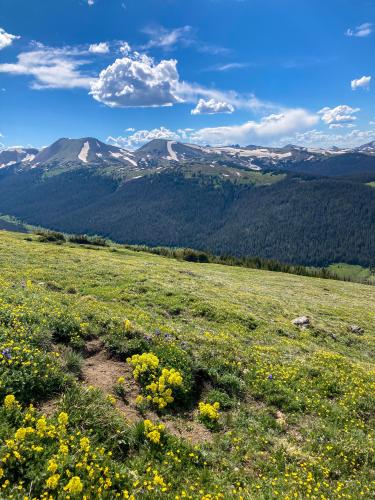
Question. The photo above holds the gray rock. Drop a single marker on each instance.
(356, 329)
(301, 322)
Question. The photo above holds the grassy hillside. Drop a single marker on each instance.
(354, 273)
(229, 400)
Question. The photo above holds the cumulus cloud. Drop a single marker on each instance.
(141, 137)
(361, 83)
(212, 107)
(50, 67)
(361, 31)
(338, 117)
(90, 2)
(99, 48)
(6, 39)
(137, 82)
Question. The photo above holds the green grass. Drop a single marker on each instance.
(297, 406)
(352, 272)
(371, 184)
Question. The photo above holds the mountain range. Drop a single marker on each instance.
(73, 153)
(295, 204)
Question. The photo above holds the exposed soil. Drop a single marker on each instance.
(100, 371)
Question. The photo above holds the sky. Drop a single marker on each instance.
(219, 72)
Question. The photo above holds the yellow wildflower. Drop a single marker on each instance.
(74, 486)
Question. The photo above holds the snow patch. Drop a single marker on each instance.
(84, 152)
(28, 157)
(172, 154)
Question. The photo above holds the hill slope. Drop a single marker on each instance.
(309, 221)
(296, 405)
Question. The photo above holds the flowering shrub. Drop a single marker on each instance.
(158, 384)
(153, 432)
(44, 458)
(25, 369)
(209, 413)
(144, 365)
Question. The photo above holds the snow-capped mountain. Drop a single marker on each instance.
(81, 152)
(368, 148)
(160, 154)
(11, 156)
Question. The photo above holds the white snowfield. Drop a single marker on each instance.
(3, 165)
(28, 157)
(172, 154)
(258, 153)
(84, 152)
(125, 156)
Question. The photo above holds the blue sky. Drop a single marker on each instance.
(263, 72)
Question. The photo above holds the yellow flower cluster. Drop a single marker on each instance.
(127, 325)
(143, 363)
(153, 431)
(71, 467)
(211, 412)
(158, 386)
(10, 402)
(161, 389)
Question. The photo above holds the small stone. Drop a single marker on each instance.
(301, 322)
(356, 329)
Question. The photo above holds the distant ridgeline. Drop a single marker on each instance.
(293, 205)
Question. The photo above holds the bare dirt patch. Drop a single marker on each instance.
(103, 372)
(100, 371)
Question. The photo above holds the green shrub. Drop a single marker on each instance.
(215, 395)
(71, 360)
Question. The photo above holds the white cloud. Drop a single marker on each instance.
(137, 82)
(167, 39)
(319, 139)
(266, 129)
(51, 68)
(90, 2)
(228, 66)
(99, 48)
(340, 116)
(125, 48)
(361, 31)
(361, 83)
(142, 137)
(6, 39)
(271, 126)
(212, 107)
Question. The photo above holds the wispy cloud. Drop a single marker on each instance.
(51, 67)
(185, 36)
(360, 31)
(165, 39)
(228, 66)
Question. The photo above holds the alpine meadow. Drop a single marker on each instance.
(187, 250)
